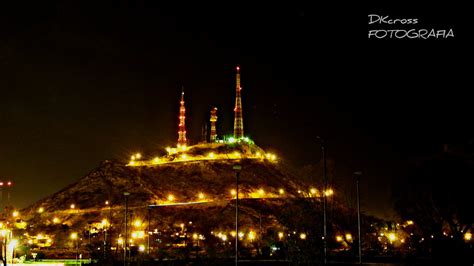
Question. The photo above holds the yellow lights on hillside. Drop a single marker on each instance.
(211, 155)
(156, 160)
(409, 222)
(170, 197)
(302, 236)
(348, 237)
(233, 192)
(261, 192)
(72, 206)
(468, 236)
(15, 214)
(30, 242)
(270, 156)
(232, 233)
(56, 220)
(281, 191)
(73, 236)
(339, 238)
(201, 196)
(40, 210)
(281, 235)
(392, 237)
(184, 156)
(136, 156)
(137, 223)
(236, 154)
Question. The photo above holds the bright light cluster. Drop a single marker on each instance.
(181, 156)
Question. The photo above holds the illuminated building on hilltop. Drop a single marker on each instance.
(182, 128)
(213, 136)
(238, 119)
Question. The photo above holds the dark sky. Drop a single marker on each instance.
(86, 81)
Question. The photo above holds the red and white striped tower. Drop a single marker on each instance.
(238, 119)
(182, 128)
(213, 136)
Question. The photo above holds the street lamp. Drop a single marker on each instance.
(325, 183)
(74, 238)
(148, 233)
(126, 194)
(237, 169)
(357, 176)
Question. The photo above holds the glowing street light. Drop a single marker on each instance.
(201, 196)
(170, 197)
(73, 206)
(392, 237)
(141, 248)
(138, 156)
(56, 220)
(303, 236)
(329, 192)
(137, 223)
(339, 238)
(348, 237)
(73, 236)
(281, 235)
(251, 235)
(104, 222)
(15, 214)
(281, 191)
(40, 210)
(468, 236)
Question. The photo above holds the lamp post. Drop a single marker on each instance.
(357, 176)
(148, 233)
(323, 151)
(126, 194)
(107, 228)
(237, 169)
(74, 238)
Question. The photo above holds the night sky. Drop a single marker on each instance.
(83, 81)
